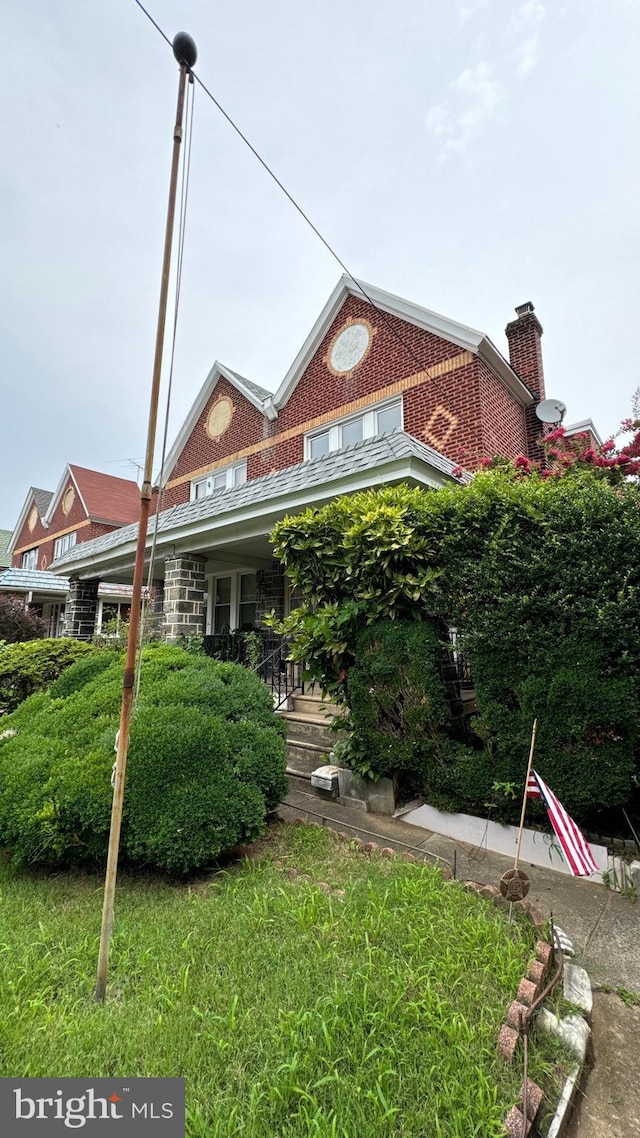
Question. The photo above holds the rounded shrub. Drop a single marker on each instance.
(26, 668)
(206, 763)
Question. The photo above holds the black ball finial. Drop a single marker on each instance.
(184, 49)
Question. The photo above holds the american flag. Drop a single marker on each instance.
(575, 849)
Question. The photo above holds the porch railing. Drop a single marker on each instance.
(265, 653)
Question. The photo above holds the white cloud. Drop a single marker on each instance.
(472, 101)
(468, 9)
(526, 21)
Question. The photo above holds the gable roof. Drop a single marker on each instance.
(258, 396)
(104, 497)
(41, 498)
(372, 462)
(465, 337)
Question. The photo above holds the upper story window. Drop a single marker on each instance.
(219, 480)
(30, 559)
(67, 541)
(378, 421)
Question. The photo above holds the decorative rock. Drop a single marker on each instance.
(634, 870)
(343, 837)
(291, 872)
(514, 1124)
(507, 1042)
(544, 952)
(564, 1106)
(535, 1095)
(575, 1032)
(547, 1021)
(298, 821)
(447, 874)
(515, 1014)
(370, 847)
(277, 864)
(410, 857)
(526, 993)
(472, 886)
(306, 877)
(535, 973)
(339, 893)
(388, 851)
(564, 941)
(577, 987)
(536, 916)
(358, 842)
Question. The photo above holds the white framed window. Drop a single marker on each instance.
(30, 559)
(64, 543)
(224, 479)
(110, 612)
(378, 421)
(233, 603)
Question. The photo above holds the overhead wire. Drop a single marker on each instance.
(383, 315)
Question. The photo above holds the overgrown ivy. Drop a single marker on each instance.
(541, 577)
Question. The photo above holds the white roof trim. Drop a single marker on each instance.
(218, 371)
(469, 339)
(24, 513)
(53, 504)
(583, 425)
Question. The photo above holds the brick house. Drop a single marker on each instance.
(86, 505)
(381, 391)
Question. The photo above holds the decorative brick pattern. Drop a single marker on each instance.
(81, 609)
(184, 592)
(514, 1124)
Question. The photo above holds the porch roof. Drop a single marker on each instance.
(252, 508)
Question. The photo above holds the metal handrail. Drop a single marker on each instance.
(281, 674)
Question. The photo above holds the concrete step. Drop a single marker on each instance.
(306, 757)
(313, 705)
(309, 728)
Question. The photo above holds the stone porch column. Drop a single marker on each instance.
(184, 593)
(81, 609)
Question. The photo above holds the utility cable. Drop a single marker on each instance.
(384, 316)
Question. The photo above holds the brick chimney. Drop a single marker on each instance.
(525, 351)
(525, 355)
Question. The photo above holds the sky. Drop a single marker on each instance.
(468, 155)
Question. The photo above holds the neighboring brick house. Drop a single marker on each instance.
(86, 505)
(381, 391)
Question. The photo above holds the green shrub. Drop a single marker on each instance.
(399, 713)
(206, 762)
(26, 668)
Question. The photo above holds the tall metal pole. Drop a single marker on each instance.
(185, 52)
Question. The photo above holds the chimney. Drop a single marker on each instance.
(525, 351)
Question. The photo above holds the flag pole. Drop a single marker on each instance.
(184, 50)
(524, 797)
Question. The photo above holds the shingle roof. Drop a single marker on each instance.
(105, 496)
(42, 499)
(259, 392)
(33, 580)
(5, 556)
(315, 472)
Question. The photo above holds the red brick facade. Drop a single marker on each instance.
(451, 400)
(70, 515)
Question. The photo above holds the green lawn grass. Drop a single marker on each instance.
(289, 1011)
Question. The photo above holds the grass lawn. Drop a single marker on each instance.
(290, 1011)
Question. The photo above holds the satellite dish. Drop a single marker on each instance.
(551, 411)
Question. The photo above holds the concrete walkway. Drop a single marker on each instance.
(604, 927)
